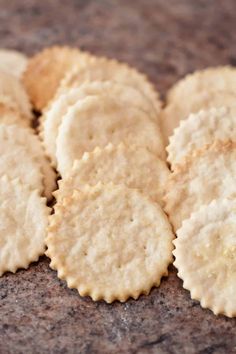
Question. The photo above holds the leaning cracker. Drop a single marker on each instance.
(13, 62)
(10, 86)
(45, 71)
(103, 69)
(96, 121)
(24, 220)
(205, 175)
(52, 118)
(200, 129)
(220, 78)
(134, 166)
(205, 256)
(9, 113)
(23, 148)
(177, 111)
(110, 242)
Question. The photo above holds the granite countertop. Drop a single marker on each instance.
(165, 39)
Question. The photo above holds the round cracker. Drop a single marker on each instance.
(24, 220)
(45, 71)
(201, 129)
(110, 242)
(96, 121)
(52, 118)
(205, 175)
(13, 62)
(9, 113)
(205, 256)
(103, 69)
(177, 111)
(10, 86)
(220, 78)
(20, 151)
(134, 166)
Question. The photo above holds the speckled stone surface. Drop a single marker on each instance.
(165, 39)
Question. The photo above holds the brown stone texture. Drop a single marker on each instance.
(165, 39)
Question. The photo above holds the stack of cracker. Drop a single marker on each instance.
(103, 129)
(100, 126)
(200, 122)
(26, 176)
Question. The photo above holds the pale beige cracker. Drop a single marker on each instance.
(205, 256)
(136, 167)
(13, 62)
(103, 69)
(200, 129)
(217, 78)
(110, 242)
(10, 86)
(205, 175)
(96, 121)
(45, 71)
(20, 150)
(53, 116)
(175, 112)
(16, 160)
(24, 221)
(9, 113)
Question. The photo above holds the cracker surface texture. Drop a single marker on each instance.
(221, 78)
(201, 129)
(96, 121)
(22, 156)
(10, 114)
(205, 175)
(24, 221)
(110, 242)
(134, 166)
(53, 116)
(16, 160)
(103, 69)
(12, 87)
(205, 256)
(13, 62)
(175, 112)
(45, 71)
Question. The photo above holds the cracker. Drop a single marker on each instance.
(205, 175)
(205, 256)
(9, 113)
(220, 78)
(16, 160)
(13, 62)
(45, 71)
(22, 156)
(96, 121)
(200, 129)
(24, 220)
(134, 166)
(49, 174)
(177, 111)
(110, 242)
(10, 86)
(103, 69)
(127, 95)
